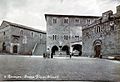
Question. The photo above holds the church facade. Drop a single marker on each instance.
(21, 40)
(102, 37)
(64, 32)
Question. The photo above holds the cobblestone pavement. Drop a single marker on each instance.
(59, 68)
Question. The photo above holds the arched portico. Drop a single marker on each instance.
(77, 47)
(66, 48)
(54, 49)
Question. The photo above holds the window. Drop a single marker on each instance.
(54, 37)
(88, 21)
(4, 33)
(87, 35)
(32, 34)
(77, 38)
(112, 28)
(40, 36)
(54, 20)
(66, 20)
(25, 40)
(98, 29)
(77, 20)
(66, 37)
(21, 31)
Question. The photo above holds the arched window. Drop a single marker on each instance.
(112, 28)
(66, 20)
(54, 20)
(66, 37)
(4, 33)
(32, 34)
(41, 36)
(54, 37)
(77, 20)
(98, 29)
(88, 21)
(21, 31)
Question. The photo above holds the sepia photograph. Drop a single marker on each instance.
(60, 40)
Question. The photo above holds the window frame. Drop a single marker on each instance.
(77, 20)
(66, 20)
(54, 20)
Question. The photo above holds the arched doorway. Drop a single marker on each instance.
(77, 47)
(15, 48)
(97, 48)
(54, 48)
(3, 47)
(67, 49)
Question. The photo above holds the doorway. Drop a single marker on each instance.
(54, 49)
(97, 50)
(15, 49)
(3, 47)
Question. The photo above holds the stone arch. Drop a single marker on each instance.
(53, 49)
(97, 42)
(97, 47)
(77, 47)
(66, 48)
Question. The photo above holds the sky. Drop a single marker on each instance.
(31, 12)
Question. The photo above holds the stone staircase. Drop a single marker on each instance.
(40, 49)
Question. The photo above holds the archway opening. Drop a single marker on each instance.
(67, 49)
(15, 49)
(3, 47)
(97, 49)
(78, 48)
(54, 49)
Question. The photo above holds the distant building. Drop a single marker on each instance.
(102, 37)
(64, 32)
(23, 40)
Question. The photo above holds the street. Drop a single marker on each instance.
(60, 68)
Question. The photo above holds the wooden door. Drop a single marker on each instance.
(15, 49)
(97, 50)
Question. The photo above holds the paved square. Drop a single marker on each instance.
(59, 68)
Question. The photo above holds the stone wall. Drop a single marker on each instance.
(72, 29)
(25, 39)
(106, 29)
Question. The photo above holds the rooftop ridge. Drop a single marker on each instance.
(24, 27)
(71, 15)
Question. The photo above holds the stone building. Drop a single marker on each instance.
(102, 37)
(64, 32)
(23, 40)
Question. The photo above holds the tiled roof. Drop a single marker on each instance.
(25, 27)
